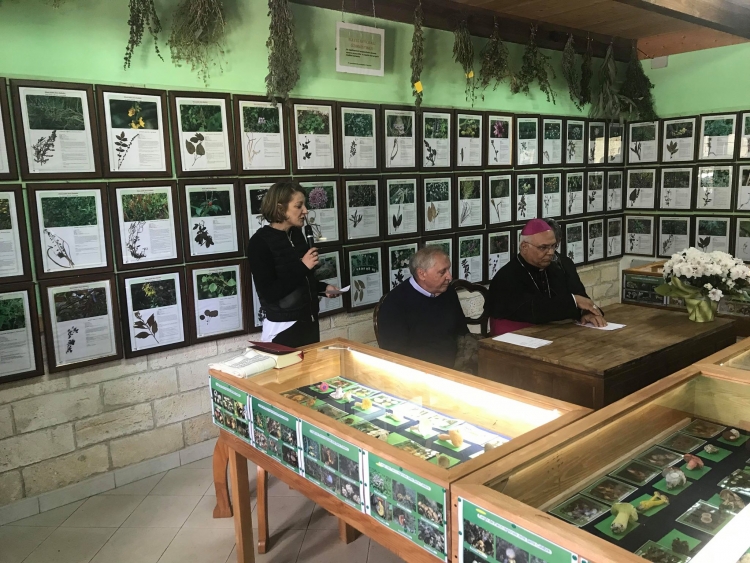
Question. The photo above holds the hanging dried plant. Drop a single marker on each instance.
(198, 35)
(463, 54)
(586, 74)
(536, 66)
(495, 65)
(571, 72)
(417, 55)
(283, 55)
(609, 103)
(638, 87)
(142, 16)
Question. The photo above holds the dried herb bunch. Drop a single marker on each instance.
(536, 66)
(495, 65)
(417, 55)
(463, 54)
(586, 74)
(198, 35)
(609, 103)
(283, 55)
(571, 72)
(637, 88)
(142, 16)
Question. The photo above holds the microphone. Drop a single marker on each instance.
(309, 234)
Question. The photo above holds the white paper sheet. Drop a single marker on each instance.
(520, 340)
(610, 326)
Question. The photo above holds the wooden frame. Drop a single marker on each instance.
(638, 152)
(493, 267)
(636, 195)
(665, 248)
(425, 209)
(460, 152)
(590, 208)
(297, 147)
(177, 140)
(427, 150)
(390, 214)
(388, 152)
(88, 91)
(344, 151)
(636, 246)
(570, 250)
(615, 242)
(496, 208)
(103, 132)
(589, 245)
(702, 193)
(346, 183)
(705, 150)
(615, 157)
(16, 191)
(461, 269)
(569, 200)
(388, 277)
(6, 131)
(528, 160)
(550, 211)
(338, 251)
(52, 359)
(531, 207)
(35, 339)
(320, 223)
(351, 296)
(492, 159)
(668, 199)
(700, 238)
(615, 195)
(591, 157)
(240, 145)
(572, 147)
(688, 145)
(39, 242)
(551, 147)
(474, 207)
(249, 227)
(125, 313)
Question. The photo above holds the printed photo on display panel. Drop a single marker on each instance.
(574, 193)
(360, 137)
(552, 195)
(743, 189)
(595, 192)
(469, 136)
(500, 190)
(574, 243)
(712, 233)
(362, 208)
(400, 140)
(718, 137)
(402, 215)
(216, 297)
(744, 151)
(258, 313)
(614, 237)
(614, 190)
(437, 196)
(499, 252)
(211, 225)
(15, 264)
(678, 140)
(20, 354)
(437, 139)
(471, 257)
(329, 272)
(615, 143)
(398, 257)
(641, 191)
(470, 208)
(323, 209)
(597, 143)
(552, 141)
(8, 170)
(527, 141)
(639, 235)
(262, 129)
(575, 142)
(499, 140)
(55, 130)
(643, 142)
(594, 240)
(526, 196)
(133, 124)
(742, 241)
(674, 236)
(203, 134)
(676, 192)
(714, 188)
(365, 270)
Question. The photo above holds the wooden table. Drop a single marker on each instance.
(594, 368)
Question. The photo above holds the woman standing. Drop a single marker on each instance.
(282, 267)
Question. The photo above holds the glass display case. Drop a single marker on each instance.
(377, 438)
(662, 475)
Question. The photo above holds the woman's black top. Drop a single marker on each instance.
(287, 289)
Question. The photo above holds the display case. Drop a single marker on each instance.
(661, 475)
(377, 438)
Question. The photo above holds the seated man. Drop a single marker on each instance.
(422, 317)
(539, 286)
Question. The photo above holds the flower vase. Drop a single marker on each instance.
(701, 310)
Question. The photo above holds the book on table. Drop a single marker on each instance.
(259, 357)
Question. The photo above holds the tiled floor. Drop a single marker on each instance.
(168, 518)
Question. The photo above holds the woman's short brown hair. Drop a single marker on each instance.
(275, 202)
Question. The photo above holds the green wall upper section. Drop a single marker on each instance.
(85, 40)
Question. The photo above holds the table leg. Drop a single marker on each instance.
(223, 508)
(243, 514)
(347, 533)
(262, 512)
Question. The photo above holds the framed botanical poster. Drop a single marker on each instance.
(362, 208)
(323, 209)
(744, 135)
(574, 194)
(15, 265)
(594, 192)
(500, 198)
(261, 135)
(678, 140)
(55, 130)
(365, 267)
(437, 202)
(133, 124)
(527, 202)
(402, 216)
(437, 136)
(597, 143)
(527, 143)
(718, 136)
(154, 311)
(445, 244)
(714, 187)
(712, 233)
(398, 257)
(254, 191)
(641, 193)
(499, 140)
(498, 252)
(70, 228)
(552, 141)
(614, 236)
(594, 240)
(216, 300)
(329, 272)
(643, 145)
(81, 321)
(210, 219)
(360, 134)
(742, 241)
(743, 189)
(202, 134)
(575, 141)
(614, 190)
(551, 195)
(469, 135)
(574, 243)
(676, 189)
(471, 257)
(615, 142)
(21, 352)
(400, 139)
(674, 236)
(147, 232)
(469, 201)
(639, 235)
(8, 170)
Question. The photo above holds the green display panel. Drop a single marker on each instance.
(486, 537)
(275, 433)
(641, 289)
(406, 503)
(229, 409)
(333, 464)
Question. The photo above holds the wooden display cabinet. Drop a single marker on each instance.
(282, 420)
(510, 503)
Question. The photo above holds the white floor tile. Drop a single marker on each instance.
(324, 546)
(202, 516)
(71, 545)
(184, 481)
(379, 554)
(286, 513)
(282, 548)
(200, 545)
(16, 543)
(205, 463)
(103, 512)
(162, 512)
(52, 518)
(277, 488)
(142, 487)
(322, 520)
(136, 545)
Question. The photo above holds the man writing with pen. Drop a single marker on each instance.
(282, 262)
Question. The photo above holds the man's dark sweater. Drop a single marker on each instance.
(422, 327)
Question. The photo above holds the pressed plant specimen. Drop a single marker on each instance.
(637, 149)
(359, 290)
(12, 315)
(400, 194)
(194, 146)
(639, 181)
(571, 149)
(44, 148)
(707, 196)
(633, 197)
(58, 249)
(355, 219)
(703, 243)
(575, 187)
(148, 328)
(122, 147)
(202, 236)
(71, 341)
(352, 150)
(134, 236)
(631, 241)
(430, 153)
(209, 314)
(672, 149)
(466, 268)
(666, 244)
(522, 205)
(668, 197)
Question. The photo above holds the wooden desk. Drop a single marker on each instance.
(594, 368)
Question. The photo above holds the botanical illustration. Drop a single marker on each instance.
(526, 134)
(434, 128)
(468, 248)
(319, 197)
(710, 228)
(677, 130)
(151, 295)
(67, 211)
(12, 315)
(550, 187)
(526, 187)
(136, 210)
(575, 133)
(639, 135)
(79, 304)
(399, 195)
(596, 182)
(639, 181)
(435, 191)
(744, 233)
(575, 190)
(257, 121)
(614, 231)
(614, 184)
(363, 264)
(397, 126)
(673, 180)
(214, 285)
(615, 132)
(130, 115)
(199, 119)
(670, 228)
(6, 221)
(499, 244)
(468, 190)
(357, 125)
(400, 264)
(499, 189)
(573, 234)
(711, 179)
(595, 232)
(361, 195)
(596, 132)
(637, 227)
(499, 129)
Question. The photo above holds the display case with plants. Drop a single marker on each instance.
(470, 257)
(614, 190)
(437, 139)
(499, 140)
(21, 353)
(365, 274)
(210, 219)
(713, 233)
(718, 137)
(401, 202)
(323, 209)
(552, 196)
(360, 133)
(676, 190)
(574, 193)
(401, 147)
(437, 203)
(499, 251)
(469, 136)
(361, 197)
(574, 147)
(15, 263)
(397, 256)
(469, 201)
(8, 169)
(500, 190)
(643, 142)
(641, 189)
(595, 240)
(527, 197)
(639, 235)
(262, 128)
(674, 236)
(527, 141)
(678, 140)
(216, 300)
(614, 239)
(552, 141)
(714, 187)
